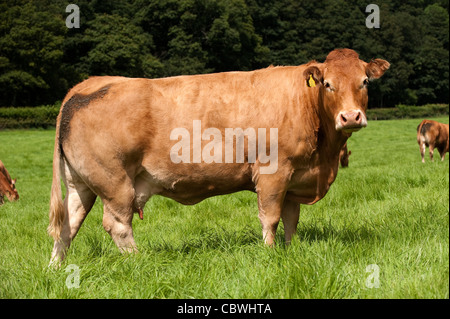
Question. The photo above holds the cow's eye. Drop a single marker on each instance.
(366, 82)
(328, 86)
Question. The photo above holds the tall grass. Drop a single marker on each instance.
(386, 209)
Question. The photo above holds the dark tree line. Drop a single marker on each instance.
(40, 58)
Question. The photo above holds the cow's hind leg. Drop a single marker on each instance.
(117, 218)
(431, 150)
(77, 204)
(422, 151)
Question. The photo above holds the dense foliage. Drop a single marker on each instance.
(40, 58)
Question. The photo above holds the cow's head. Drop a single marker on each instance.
(343, 79)
(12, 193)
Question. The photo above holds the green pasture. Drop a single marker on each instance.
(382, 231)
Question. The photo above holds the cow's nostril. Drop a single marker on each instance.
(343, 118)
(357, 117)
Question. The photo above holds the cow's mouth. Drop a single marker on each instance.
(352, 129)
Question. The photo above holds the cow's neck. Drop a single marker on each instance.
(320, 142)
(330, 142)
(316, 166)
(329, 145)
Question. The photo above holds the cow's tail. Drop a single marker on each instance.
(56, 214)
(424, 138)
(422, 133)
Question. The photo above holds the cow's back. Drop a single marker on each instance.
(228, 99)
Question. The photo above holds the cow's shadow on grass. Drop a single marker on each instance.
(314, 233)
(222, 239)
(213, 239)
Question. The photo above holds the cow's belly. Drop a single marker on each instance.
(194, 184)
(189, 194)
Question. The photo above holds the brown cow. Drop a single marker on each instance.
(432, 134)
(344, 154)
(7, 186)
(116, 139)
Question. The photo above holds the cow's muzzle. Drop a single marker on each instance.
(350, 121)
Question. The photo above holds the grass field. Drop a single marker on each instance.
(382, 231)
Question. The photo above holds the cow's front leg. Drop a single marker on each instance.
(271, 192)
(290, 215)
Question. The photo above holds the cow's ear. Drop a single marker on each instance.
(376, 68)
(313, 76)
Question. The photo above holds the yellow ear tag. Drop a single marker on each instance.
(311, 81)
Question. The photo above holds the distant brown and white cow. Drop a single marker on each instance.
(344, 154)
(432, 134)
(7, 186)
(115, 139)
